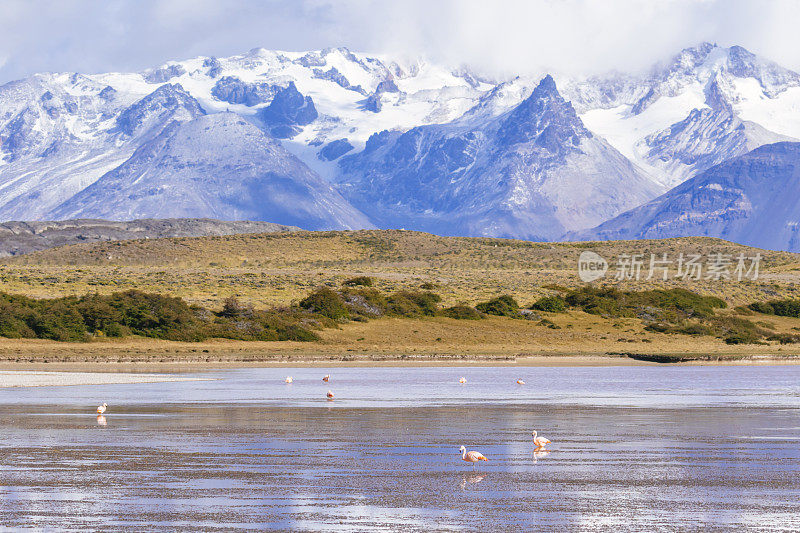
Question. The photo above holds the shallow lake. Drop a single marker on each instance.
(633, 448)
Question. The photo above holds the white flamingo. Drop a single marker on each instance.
(520, 382)
(330, 395)
(102, 408)
(472, 456)
(288, 379)
(540, 442)
(462, 380)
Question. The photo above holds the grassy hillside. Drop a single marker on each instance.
(267, 270)
(276, 269)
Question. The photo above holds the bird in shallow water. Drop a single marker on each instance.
(462, 380)
(472, 456)
(540, 442)
(288, 379)
(520, 382)
(102, 408)
(326, 378)
(330, 395)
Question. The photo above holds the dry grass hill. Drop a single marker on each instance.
(280, 268)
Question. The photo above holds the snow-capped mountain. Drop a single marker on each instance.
(706, 105)
(220, 166)
(751, 199)
(533, 171)
(280, 135)
(61, 133)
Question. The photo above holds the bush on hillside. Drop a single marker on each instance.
(461, 312)
(501, 306)
(550, 304)
(325, 302)
(359, 281)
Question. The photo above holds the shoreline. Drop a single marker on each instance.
(560, 360)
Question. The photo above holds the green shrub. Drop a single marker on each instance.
(790, 308)
(551, 304)
(501, 306)
(413, 303)
(359, 281)
(325, 302)
(670, 305)
(461, 312)
(784, 338)
(762, 307)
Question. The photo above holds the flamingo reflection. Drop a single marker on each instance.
(471, 479)
(101, 420)
(540, 454)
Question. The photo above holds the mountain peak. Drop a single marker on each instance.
(546, 86)
(170, 99)
(546, 118)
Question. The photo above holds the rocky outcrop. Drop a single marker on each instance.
(17, 238)
(288, 111)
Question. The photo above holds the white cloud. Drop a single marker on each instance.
(500, 36)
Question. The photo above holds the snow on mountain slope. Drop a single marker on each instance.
(631, 112)
(751, 199)
(530, 172)
(61, 133)
(218, 166)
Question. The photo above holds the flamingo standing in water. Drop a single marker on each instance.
(326, 378)
(520, 382)
(462, 380)
(472, 456)
(102, 408)
(288, 379)
(540, 442)
(330, 395)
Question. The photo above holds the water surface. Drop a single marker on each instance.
(637, 448)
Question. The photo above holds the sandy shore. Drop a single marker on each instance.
(136, 370)
(50, 379)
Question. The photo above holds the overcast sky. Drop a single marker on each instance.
(497, 36)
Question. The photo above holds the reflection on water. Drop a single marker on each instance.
(471, 479)
(247, 451)
(540, 454)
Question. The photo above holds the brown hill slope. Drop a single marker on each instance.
(277, 268)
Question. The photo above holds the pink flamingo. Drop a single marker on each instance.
(520, 382)
(102, 408)
(540, 442)
(462, 380)
(288, 379)
(326, 378)
(330, 395)
(472, 456)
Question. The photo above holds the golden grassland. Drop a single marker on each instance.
(279, 268)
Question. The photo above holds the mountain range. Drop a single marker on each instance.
(334, 139)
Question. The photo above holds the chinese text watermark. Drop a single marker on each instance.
(696, 267)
